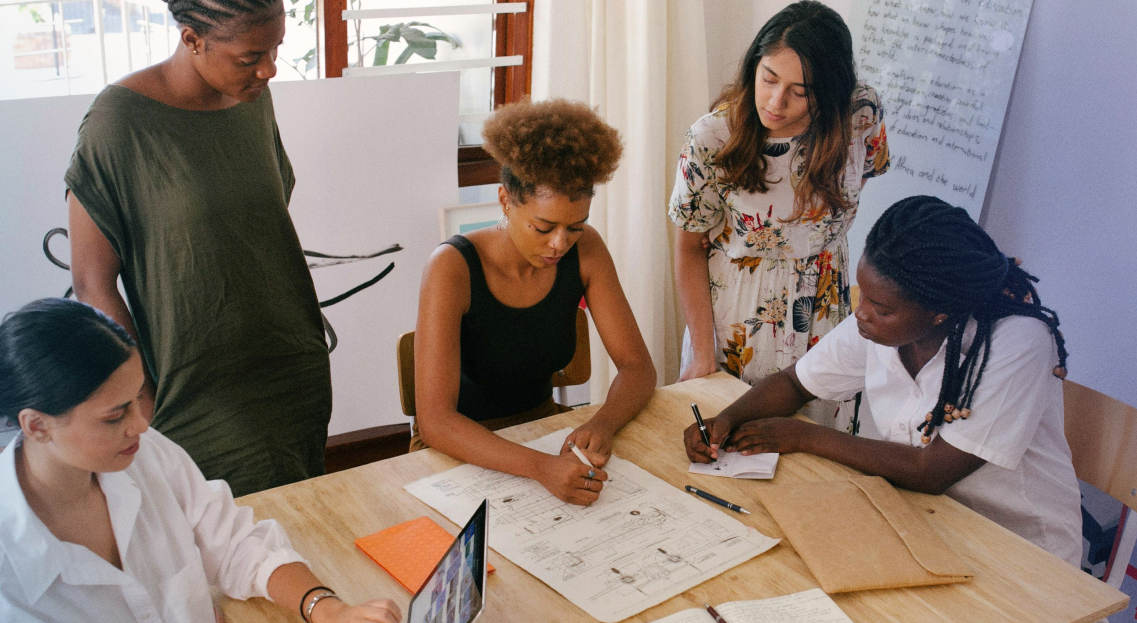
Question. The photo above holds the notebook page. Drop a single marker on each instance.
(812, 606)
(736, 465)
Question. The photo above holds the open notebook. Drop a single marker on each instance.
(735, 465)
(812, 606)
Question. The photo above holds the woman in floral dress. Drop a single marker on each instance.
(767, 187)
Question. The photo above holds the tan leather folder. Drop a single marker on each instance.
(859, 534)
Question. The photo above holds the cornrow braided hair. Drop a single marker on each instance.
(944, 261)
(204, 16)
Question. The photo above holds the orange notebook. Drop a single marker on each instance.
(409, 551)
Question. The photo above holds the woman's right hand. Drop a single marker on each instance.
(718, 429)
(332, 610)
(567, 478)
(699, 368)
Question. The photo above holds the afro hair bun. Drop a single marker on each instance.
(559, 144)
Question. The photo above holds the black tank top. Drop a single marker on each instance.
(509, 354)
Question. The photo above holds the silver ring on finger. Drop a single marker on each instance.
(591, 474)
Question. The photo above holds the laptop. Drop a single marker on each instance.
(455, 591)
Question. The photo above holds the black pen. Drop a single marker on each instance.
(715, 499)
(702, 429)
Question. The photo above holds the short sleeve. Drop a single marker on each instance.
(834, 369)
(1017, 388)
(696, 203)
(91, 174)
(238, 553)
(868, 122)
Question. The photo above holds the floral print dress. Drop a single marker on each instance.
(776, 287)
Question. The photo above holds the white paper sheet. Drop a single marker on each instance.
(643, 542)
(736, 465)
(812, 606)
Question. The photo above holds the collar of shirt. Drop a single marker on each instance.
(902, 401)
(37, 556)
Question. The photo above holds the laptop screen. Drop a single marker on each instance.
(454, 591)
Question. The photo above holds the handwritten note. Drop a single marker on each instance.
(944, 70)
(812, 606)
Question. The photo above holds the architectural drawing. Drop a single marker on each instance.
(640, 544)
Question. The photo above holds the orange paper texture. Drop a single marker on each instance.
(409, 551)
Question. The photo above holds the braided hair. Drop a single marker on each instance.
(206, 16)
(943, 260)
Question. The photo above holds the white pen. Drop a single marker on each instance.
(583, 459)
(579, 454)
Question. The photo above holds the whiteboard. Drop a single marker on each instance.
(944, 71)
(375, 161)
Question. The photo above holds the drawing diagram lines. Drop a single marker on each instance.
(488, 482)
(533, 511)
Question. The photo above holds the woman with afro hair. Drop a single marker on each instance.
(497, 306)
(962, 367)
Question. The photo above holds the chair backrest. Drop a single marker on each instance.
(576, 372)
(579, 369)
(1102, 433)
(854, 296)
(405, 355)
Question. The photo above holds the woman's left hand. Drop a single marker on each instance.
(777, 434)
(592, 439)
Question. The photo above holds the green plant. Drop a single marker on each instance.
(378, 47)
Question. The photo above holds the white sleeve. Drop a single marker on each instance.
(1017, 387)
(834, 369)
(238, 553)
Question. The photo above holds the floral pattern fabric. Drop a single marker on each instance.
(776, 286)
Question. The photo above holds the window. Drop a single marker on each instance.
(490, 42)
(79, 46)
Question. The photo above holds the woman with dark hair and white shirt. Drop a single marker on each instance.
(104, 519)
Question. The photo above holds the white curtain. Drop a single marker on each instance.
(642, 65)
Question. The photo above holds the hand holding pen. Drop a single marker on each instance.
(703, 432)
(703, 445)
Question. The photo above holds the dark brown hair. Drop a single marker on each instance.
(54, 353)
(820, 38)
(559, 144)
(219, 18)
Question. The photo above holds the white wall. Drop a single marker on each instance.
(1064, 192)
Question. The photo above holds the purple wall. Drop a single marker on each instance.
(1063, 194)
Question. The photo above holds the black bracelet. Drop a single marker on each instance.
(305, 598)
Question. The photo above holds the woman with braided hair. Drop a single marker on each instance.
(179, 184)
(962, 367)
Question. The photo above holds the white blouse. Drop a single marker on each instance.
(177, 535)
(1016, 425)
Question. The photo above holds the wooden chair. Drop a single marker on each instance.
(854, 296)
(1102, 433)
(575, 373)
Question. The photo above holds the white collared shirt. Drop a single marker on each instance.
(177, 534)
(1016, 425)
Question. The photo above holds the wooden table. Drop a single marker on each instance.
(1014, 579)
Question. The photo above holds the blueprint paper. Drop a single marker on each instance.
(643, 542)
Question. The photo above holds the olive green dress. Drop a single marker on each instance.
(195, 205)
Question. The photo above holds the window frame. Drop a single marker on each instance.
(513, 35)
